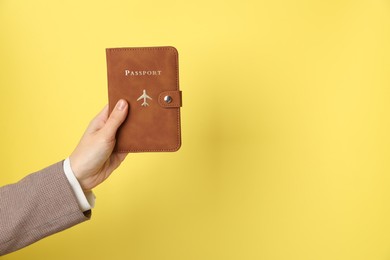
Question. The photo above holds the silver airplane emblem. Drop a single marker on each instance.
(144, 96)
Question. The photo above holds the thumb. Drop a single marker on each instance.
(118, 115)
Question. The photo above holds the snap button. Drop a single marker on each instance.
(168, 99)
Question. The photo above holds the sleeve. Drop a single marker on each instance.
(86, 200)
(37, 206)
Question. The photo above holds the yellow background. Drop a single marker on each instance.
(285, 126)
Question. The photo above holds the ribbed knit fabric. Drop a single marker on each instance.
(39, 205)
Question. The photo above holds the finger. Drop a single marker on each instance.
(99, 120)
(118, 115)
(122, 156)
(116, 160)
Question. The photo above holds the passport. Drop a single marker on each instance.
(148, 79)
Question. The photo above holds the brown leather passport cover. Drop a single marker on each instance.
(148, 79)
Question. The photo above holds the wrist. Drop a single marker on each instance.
(85, 199)
(77, 172)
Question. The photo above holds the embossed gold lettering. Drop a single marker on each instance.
(142, 73)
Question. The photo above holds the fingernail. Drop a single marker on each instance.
(121, 104)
